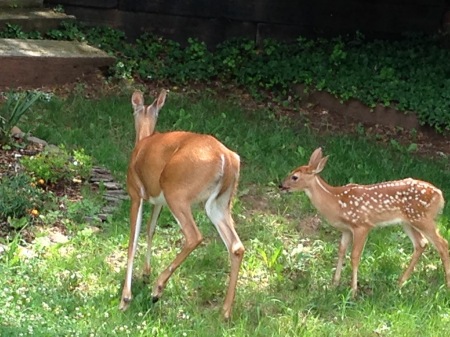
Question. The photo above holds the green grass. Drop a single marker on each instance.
(73, 289)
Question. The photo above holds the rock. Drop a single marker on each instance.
(103, 216)
(15, 130)
(43, 241)
(119, 195)
(52, 148)
(109, 209)
(100, 178)
(36, 140)
(112, 198)
(100, 170)
(58, 237)
(17, 133)
(112, 186)
(26, 253)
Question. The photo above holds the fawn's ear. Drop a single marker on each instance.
(320, 165)
(137, 100)
(315, 158)
(159, 102)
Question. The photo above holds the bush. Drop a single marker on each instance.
(20, 197)
(411, 74)
(55, 165)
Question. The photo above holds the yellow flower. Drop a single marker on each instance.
(34, 212)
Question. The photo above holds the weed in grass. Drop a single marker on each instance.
(86, 209)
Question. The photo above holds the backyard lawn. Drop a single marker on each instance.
(73, 287)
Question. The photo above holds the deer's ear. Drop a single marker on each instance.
(137, 101)
(320, 165)
(161, 99)
(315, 158)
(159, 102)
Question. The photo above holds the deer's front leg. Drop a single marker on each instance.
(135, 224)
(345, 240)
(359, 240)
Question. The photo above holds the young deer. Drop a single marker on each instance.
(179, 169)
(356, 209)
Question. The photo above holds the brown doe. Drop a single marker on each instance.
(178, 169)
(357, 209)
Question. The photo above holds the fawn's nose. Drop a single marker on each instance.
(283, 188)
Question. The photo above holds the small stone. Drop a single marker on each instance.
(53, 148)
(58, 238)
(97, 179)
(3, 248)
(111, 185)
(103, 217)
(36, 140)
(15, 130)
(100, 170)
(26, 253)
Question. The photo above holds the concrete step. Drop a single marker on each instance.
(33, 19)
(21, 3)
(37, 63)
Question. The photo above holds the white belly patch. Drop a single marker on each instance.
(158, 200)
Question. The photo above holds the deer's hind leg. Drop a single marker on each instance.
(219, 211)
(419, 243)
(441, 245)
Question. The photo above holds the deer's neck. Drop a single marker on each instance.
(323, 197)
(144, 131)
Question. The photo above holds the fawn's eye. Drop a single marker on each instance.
(294, 178)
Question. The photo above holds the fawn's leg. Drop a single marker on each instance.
(345, 240)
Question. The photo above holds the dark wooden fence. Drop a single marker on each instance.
(213, 21)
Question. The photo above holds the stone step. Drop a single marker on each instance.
(21, 3)
(36, 63)
(33, 19)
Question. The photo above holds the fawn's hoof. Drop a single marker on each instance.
(155, 299)
(124, 303)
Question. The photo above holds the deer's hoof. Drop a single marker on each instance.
(124, 303)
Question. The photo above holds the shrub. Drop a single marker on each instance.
(20, 196)
(411, 74)
(56, 164)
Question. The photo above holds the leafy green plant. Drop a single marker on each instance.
(56, 164)
(85, 209)
(14, 109)
(68, 30)
(12, 31)
(410, 74)
(20, 197)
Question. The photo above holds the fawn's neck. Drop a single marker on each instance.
(323, 197)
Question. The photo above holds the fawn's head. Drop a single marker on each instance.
(145, 116)
(301, 177)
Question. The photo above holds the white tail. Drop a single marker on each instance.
(179, 169)
(356, 209)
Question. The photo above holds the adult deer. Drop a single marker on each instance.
(356, 209)
(179, 169)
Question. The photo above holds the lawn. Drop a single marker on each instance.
(284, 288)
